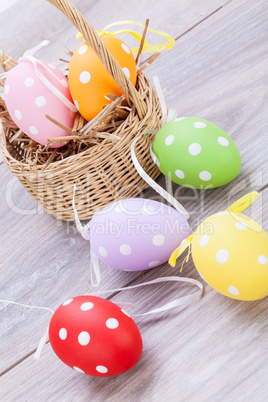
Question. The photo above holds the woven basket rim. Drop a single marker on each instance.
(87, 152)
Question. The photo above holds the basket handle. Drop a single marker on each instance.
(109, 62)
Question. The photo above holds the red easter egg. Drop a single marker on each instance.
(95, 336)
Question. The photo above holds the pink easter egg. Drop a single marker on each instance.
(137, 234)
(28, 100)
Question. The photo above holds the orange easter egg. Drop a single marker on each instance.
(89, 81)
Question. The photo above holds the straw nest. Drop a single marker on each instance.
(98, 156)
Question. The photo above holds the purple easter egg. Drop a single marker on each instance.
(136, 234)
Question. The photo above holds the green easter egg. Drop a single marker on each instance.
(196, 153)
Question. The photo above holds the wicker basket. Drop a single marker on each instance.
(102, 173)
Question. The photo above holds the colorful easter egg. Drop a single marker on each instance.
(230, 252)
(89, 80)
(95, 336)
(28, 100)
(196, 153)
(136, 234)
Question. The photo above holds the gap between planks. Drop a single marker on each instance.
(113, 294)
(143, 272)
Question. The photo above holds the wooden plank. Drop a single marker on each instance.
(30, 22)
(214, 349)
(36, 231)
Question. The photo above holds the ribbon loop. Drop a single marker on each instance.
(172, 304)
(146, 47)
(29, 57)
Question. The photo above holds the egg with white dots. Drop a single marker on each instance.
(90, 82)
(230, 252)
(28, 100)
(136, 234)
(196, 153)
(94, 336)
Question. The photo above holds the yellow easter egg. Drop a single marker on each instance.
(230, 252)
(89, 81)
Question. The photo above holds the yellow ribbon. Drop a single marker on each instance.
(237, 206)
(146, 47)
(243, 202)
(182, 247)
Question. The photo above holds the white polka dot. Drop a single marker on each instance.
(263, 260)
(102, 369)
(29, 82)
(85, 77)
(40, 101)
(223, 213)
(67, 302)
(64, 83)
(125, 48)
(202, 277)
(123, 311)
(126, 72)
(169, 139)
(76, 104)
(33, 130)
(102, 251)
(112, 323)
(154, 263)
(78, 369)
(52, 66)
(204, 175)
(159, 240)
(63, 334)
(203, 240)
(82, 49)
(194, 149)
(223, 141)
(7, 88)
(125, 249)
(18, 114)
(222, 256)
(86, 306)
(179, 118)
(233, 290)
(84, 338)
(179, 173)
(241, 226)
(199, 124)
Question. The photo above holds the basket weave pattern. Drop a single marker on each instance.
(102, 173)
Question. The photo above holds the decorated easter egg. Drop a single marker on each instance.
(95, 336)
(196, 153)
(89, 80)
(28, 100)
(230, 252)
(136, 234)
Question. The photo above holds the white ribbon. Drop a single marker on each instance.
(44, 338)
(28, 56)
(166, 117)
(94, 267)
(174, 303)
(151, 182)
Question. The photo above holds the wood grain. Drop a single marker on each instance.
(41, 238)
(215, 349)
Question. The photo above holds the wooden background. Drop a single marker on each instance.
(213, 350)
